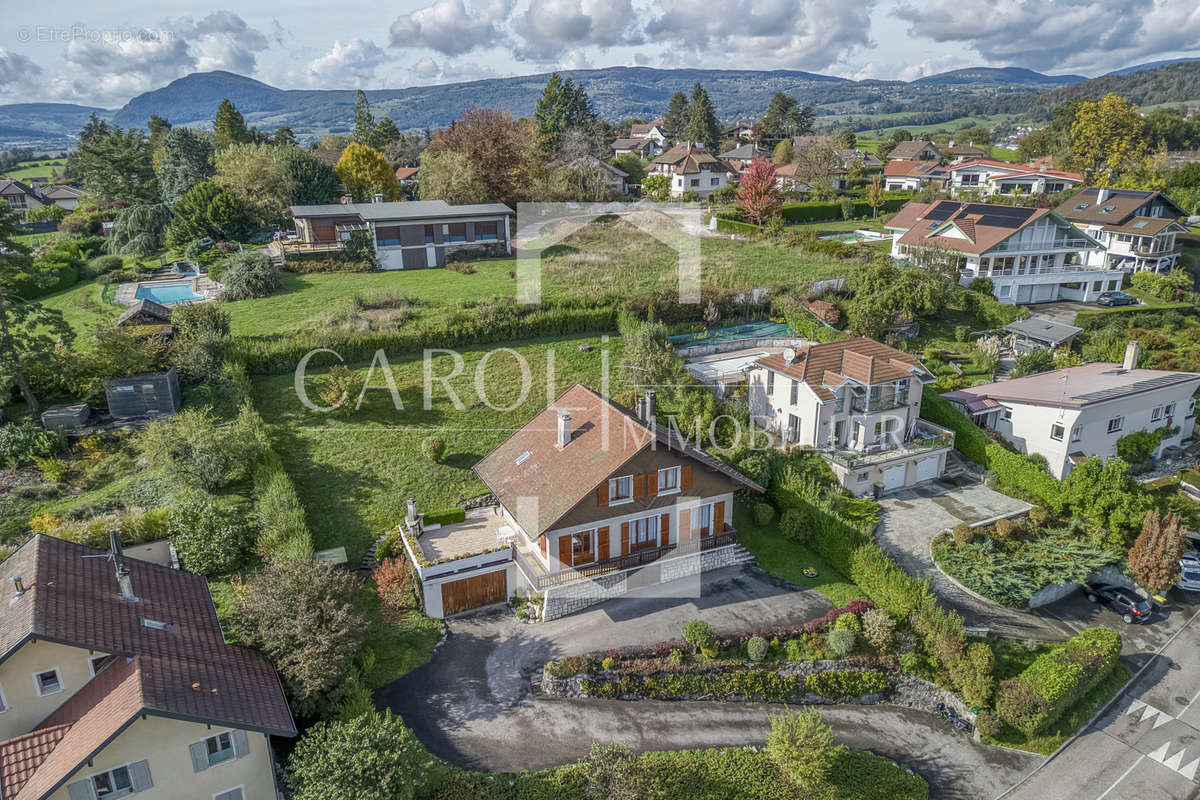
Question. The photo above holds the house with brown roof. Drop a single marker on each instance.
(1031, 255)
(691, 168)
(591, 500)
(642, 148)
(62, 194)
(20, 197)
(984, 177)
(909, 175)
(116, 679)
(858, 403)
(1138, 229)
(915, 150)
(406, 176)
(650, 130)
(1066, 415)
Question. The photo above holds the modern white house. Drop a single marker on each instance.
(1069, 414)
(692, 169)
(1031, 255)
(858, 402)
(980, 178)
(912, 175)
(1138, 229)
(650, 130)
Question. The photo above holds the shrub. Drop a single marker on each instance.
(676, 657)
(963, 534)
(434, 448)
(613, 772)
(987, 723)
(608, 663)
(973, 674)
(791, 523)
(340, 384)
(801, 744)
(699, 634)
(282, 526)
(53, 470)
(211, 538)
(879, 629)
(249, 274)
(393, 582)
(756, 648)
(1138, 447)
(370, 757)
(192, 449)
(1004, 529)
(101, 265)
(763, 513)
(200, 320)
(848, 622)
(21, 442)
(447, 516)
(568, 667)
(845, 684)
(841, 642)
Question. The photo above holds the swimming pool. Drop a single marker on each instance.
(855, 237)
(167, 293)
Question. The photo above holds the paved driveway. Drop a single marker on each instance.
(911, 518)
(471, 704)
(1062, 312)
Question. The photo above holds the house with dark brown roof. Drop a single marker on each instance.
(650, 130)
(858, 403)
(691, 168)
(1138, 229)
(591, 500)
(116, 679)
(1031, 255)
(915, 150)
(20, 197)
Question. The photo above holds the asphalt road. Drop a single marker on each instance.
(1145, 746)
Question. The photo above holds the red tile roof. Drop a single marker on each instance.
(967, 217)
(861, 360)
(406, 173)
(604, 436)
(1016, 170)
(912, 148)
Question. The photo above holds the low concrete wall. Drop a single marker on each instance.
(730, 345)
(905, 691)
(1057, 591)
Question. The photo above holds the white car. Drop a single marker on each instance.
(1189, 571)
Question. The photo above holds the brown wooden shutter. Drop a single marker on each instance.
(624, 538)
(652, 484)
(685, 477)
(664, 531)
(685, 525)
(602, 494)
(718, 525)
(602, 543)
(545, 546)
(564, 551)
(639, 486)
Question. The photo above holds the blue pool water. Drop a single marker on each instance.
(749, 330)
(167, 293)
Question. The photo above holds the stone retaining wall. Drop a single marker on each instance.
(905, 691)
(563, 600)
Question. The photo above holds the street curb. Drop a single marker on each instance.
(1103, 710)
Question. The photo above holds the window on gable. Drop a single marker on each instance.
(219, 748)
(1115, 424)
(113, 783)
(1057, 431)
(620, 489)
(668, 480)
(48, 682)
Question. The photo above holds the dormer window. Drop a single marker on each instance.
(48, 682)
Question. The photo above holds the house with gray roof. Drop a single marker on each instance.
(1069, 414)
(1138, 229)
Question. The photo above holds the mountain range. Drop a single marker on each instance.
(616, 92)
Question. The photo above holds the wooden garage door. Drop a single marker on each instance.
(481, 590)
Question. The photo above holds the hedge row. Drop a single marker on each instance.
(1094, 320)
(733, 226)
(969, 438)
(1035, 699)
(445, 517)
(715, 774)
(824, 212)
(283, 528)
(68, 276)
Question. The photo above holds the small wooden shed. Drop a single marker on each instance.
(156, 393)
(66, 415)
(145, 312)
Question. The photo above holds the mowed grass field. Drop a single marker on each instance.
(35, 169)
(355, 469)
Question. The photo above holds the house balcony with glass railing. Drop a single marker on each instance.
(925, 438)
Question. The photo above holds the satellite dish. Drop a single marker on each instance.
(789, 355)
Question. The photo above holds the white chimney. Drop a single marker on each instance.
(651, 407)
(18, 583)
(564, 428)
(379, 197)
(411, 516)
(125, 584)
(1101, 194)
(1132, 351)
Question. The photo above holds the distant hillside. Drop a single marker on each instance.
(28, 121)
(1150, 65)
(1174, 83)
(999, 76)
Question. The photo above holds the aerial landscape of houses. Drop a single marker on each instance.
(400, 404)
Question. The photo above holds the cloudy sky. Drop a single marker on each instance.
(104, 53)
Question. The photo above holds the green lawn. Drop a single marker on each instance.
(35, 169)
(355, 470)
(788, 560)
(83, 306)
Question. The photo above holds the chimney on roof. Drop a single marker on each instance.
(125, 584)
(411, 516)
(650, 407)
(114, 544)
(1042, 167)
(18, 583)
(564, 427)
(1101, 194)
(379, 197)
(1132, 351)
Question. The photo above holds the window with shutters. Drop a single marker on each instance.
(114, 782)
(48, 682)
(236, 793)
(219, 748)
(706, 514)
(620, 490)
(668, 480)
(643, 532)
(583, 547)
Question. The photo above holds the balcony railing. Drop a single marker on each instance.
(1152, 253)
(926, 437)
(541, 578)
(871, 405)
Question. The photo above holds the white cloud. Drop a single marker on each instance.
(796, 34)
(222, 40)
(351, 63)
(550, 28)
(1059, 34)
(450, 27)
(429, 71)
(17, 73)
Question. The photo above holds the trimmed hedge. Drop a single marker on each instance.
(1095, 320)
(446, 516)
(1017, 470)
(1039, 696)
(845, 684)
(733, 226)
(754, 685)
(825, 212)
(969, 438)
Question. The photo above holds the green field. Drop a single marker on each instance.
(35, 169)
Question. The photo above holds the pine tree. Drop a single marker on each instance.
(549, 114)
(676, 117)
(364, 120)
(386, 132)
(229, 126)
(1154, 557)
(94, 129)
(702, 125)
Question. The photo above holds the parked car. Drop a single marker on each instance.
(1125, 602)
(1189, 571)
(1116, 299)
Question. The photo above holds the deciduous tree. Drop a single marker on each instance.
(1107, 135)
(364, 171)
(1154, 557)
(757, 194)
(495, 148)
(1104, 493)
(255, 174)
